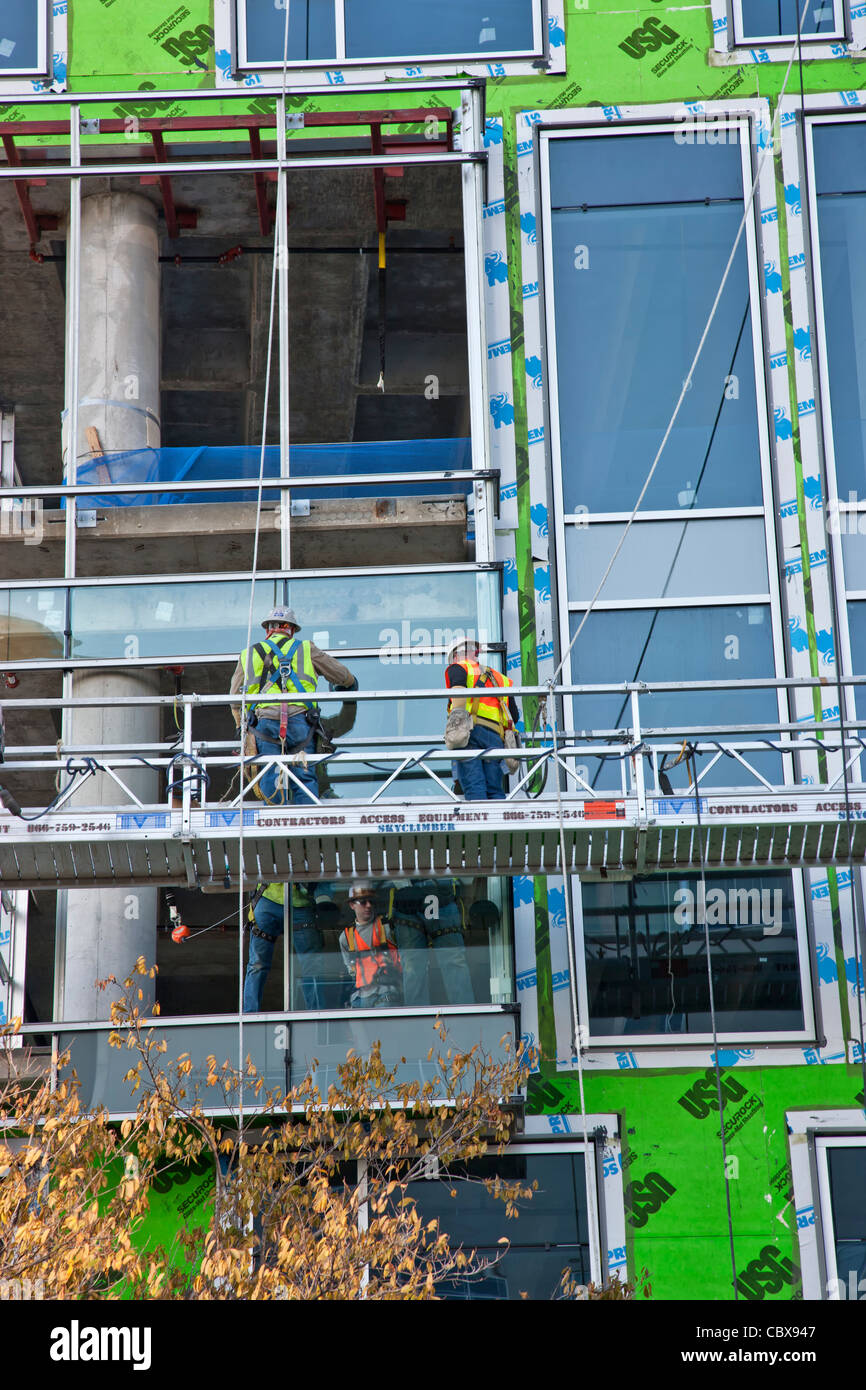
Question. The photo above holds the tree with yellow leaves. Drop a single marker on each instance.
(311, 1192)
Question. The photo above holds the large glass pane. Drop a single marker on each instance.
(141, 620)
(311, 30)
(767, 19)
(19, 34)
(32, 623)
(847, 1170)
(668, 559)
(358, 611)
(633, 289)
(857, 634)
(842, 235)
(549, 1236)
(679, 644)
(416, 29)
(646, 963)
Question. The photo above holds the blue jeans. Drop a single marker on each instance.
(415, 940)
(299, 736)
(481, 779)
(307, 943)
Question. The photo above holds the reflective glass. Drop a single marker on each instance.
(318, 1048)
(312, 31)
(768, 19)
(633, 290)
(32, 623)
(416, 29)
(668, 559)
(840, 156)
(19, 35)
(626, 170)
(646, 962)
(140, 620)
(857, 636)
(549, 1235)
(842, 236)
(356, 611)
(847, 1169)
(679, 644)
(452, 940)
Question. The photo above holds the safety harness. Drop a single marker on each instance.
(379, 956)
(275, 657)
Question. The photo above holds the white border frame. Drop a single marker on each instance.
(811, 1132)
(550, 57)
(50, 73)
(727, 49)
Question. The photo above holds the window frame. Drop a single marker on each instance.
(727, 37)
(605, 1042)
(556, 1134)
(589, 127)
(839, 33)
(244, 65)
(812, 1134)
(44, 43)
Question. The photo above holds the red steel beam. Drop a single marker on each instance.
(265, 218)
(165, 187)
(34, 222)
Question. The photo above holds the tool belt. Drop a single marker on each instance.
(265, 935)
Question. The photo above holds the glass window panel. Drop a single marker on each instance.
(857, 636)
(166, 619)
(766, 19)
(32, 623)
(19, 35)
(646, 962)
(671, 644)
(847, 1171)
(356, 611)
(453, 939)
(391, 610)
(842, 235)
(840, 157)
(626, 331)
(668, 559)
(624, 170)
(312, 30)
(549, 1235)
(853, 549)
(633, 289)
(416, 29)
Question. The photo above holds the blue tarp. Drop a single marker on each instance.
(305, 461)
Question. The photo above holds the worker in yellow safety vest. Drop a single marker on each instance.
(369, 953)
(481, 779)
(285, 671)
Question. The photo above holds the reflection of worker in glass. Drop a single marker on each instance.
(330, 728)
(369, 953)
(427, 915)
(266, 930)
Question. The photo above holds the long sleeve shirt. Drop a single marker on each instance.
(456, 675)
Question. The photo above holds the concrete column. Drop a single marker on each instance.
(119, 379)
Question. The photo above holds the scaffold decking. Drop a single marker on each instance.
(113, 848)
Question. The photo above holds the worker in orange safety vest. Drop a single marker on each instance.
(480, 778)
(369, 953)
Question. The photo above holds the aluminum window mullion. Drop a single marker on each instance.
(340, 30)
(583, 519)
(614, 605)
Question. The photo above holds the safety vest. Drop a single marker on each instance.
(493, 708)
(276, 893)
(291, 661)
(379, 954)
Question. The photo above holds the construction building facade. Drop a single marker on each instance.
(530, 321)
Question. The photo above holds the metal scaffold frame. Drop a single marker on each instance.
(552, 820)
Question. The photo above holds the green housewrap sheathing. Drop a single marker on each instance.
(673, 1174)
(671, 1151)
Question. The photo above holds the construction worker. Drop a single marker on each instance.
(427, 915)
(480, 778)
(266, 911)
(369, 953)
(284, 667)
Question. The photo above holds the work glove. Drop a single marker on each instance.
(353, 686)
